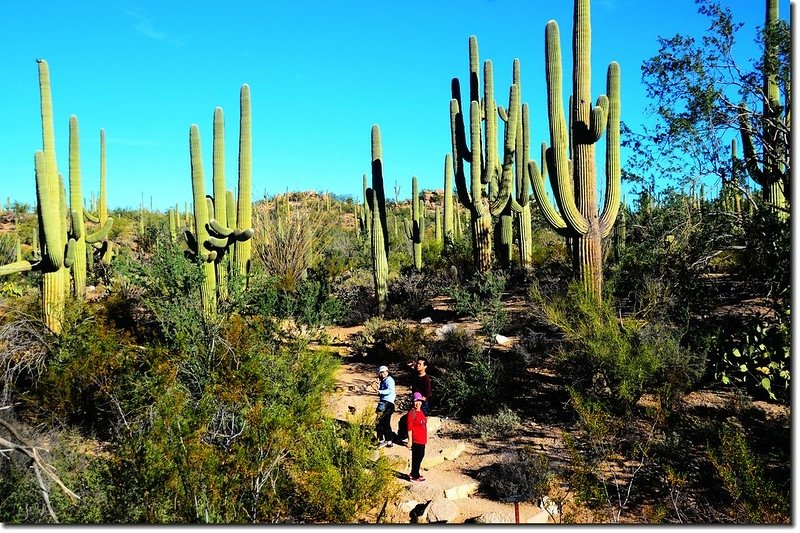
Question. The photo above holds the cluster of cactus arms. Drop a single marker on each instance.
(731, 194)
(218, 224)
(574, 180)
(489, 189)
(104, 247)
(773, 173)
(78, 231)
(379, 234)
(416, 226)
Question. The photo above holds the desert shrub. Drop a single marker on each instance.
(335, 478)
(356, 296)
(409, 295)
(454, 347)
(523, 473)
(391, 341)
(753, 498)
(604, 358)
(498, 425)
(476, 295)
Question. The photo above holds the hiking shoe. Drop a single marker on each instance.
(381, 444)
(419, 479)
(389, 444)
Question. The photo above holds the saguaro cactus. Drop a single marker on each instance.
(485, 168)
(574, 181)
(447, 221)
(244, 201)
(414, 227)
(769, 170)
(378, 231)
(199, 244)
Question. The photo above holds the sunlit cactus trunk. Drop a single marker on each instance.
(244, 201)
(379, 237)
(208, 286)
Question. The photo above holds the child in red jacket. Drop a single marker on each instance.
(417, 424)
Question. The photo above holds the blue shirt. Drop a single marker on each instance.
(386, 389)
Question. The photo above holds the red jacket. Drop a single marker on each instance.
(417, 424)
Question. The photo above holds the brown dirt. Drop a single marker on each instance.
(355, 393)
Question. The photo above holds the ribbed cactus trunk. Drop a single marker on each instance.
(448, 221)
(208, 286)
(51, 238)
(102, 207)
(76, 203)
(574, 180)
(245, 203)
(221, 265)
(416, 228)
(379, 231)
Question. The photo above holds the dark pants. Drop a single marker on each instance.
(417, 455)
(384, 424)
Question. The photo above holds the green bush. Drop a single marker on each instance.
(409, 295)
(391, 341)
(753, 498)
(498, 425)
(522, 473)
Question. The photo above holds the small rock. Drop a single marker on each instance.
(460, 492)
(443, 330)
(501, 339)
(451, 454)
(434, 424)
(441, 510)
(549, 505)
(426, 320)
(408, 506)
(539, 517)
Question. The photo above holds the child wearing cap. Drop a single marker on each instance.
(417, 424)
(385, 408)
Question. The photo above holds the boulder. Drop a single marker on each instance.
(495, 517)
(452, 453)
(461, 491)
(441, 510)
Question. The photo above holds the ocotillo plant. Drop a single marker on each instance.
(200, 247)
(379, 236)
(574, 181)
(485, 168)
(770, 169)
(414, 227)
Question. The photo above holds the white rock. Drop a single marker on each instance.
(426, 320)
(441, 510)
(501, 339)
(549, 505)
(460, 492)
(495, 517)
(408, 506)
(451, 454)
(443, 330)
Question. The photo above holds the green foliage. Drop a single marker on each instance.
(335, 479)
(480, 297)
(410, 294)
(754, 498)
(523, 473)
(760, 361)
(502, 424)
(611, 360)
(391, 341)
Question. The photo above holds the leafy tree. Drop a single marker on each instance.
(701, 93)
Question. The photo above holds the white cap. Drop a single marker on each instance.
(383, 368)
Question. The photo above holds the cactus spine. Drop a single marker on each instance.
(575, 180)
(378, 231)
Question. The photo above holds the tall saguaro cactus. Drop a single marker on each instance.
(481, 153)
(770, 169)
(574, 181)
(244, 202)
(379, 233)
(199, 244)
(415, 227)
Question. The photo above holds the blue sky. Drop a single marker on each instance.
(320, 73)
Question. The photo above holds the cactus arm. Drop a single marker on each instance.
(448, 197)
(220, 230)
(90, 217)
(748, 147)
(70, 253)
(47, 187)
(101, 233)
(457, 129)
(509, 148)
(220, 243)
(613, 173)
(598, 119)
(550, 214)
(475, 166)
(490, 173)
(244, 201)
(16, 268)
(556, 156)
